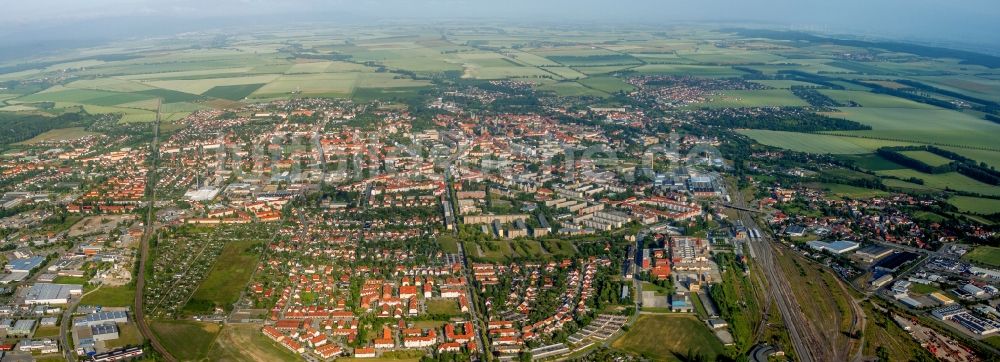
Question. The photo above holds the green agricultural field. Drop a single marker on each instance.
(602, 69)
(754, 98)
(875, 100)
(531, 59)
(200, 86)
(571, 89)
(172, 96)
(607, 84)
(818, 143)
(60, 134)
(976, 205)
(945, 181)
(326, 84)
(81, 96)
(729, 57)
(929, 158)
(564, 72)
(873, 162)
(991, 158)
(228, 277)
(232, 92)
(689, 70)
(988, 255)
(976, 86)
(785, 83)
(309, 67)
(663, 337)
(187, 340)
(933, 126)
(509, 71)
(906, 186)
(853, 192)
(109, 84)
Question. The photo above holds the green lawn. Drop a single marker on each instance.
(992, 341)
(128, 334)
(922, 288)
(110, 297)
(187, 340)
(443, 307)
(62, 279)
(46, 331)
(988, 255)
(666, 336)
(448, 243)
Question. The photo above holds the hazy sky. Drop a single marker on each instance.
(967, 21)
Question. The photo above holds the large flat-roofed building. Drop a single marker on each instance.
(24, 265)
(836, 247)
(48, 293)
(893, 262)
(104, 332)
(23, 327)
(101, 318)
(872, 253)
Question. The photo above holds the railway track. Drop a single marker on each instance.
(805, 341)
(140, 318)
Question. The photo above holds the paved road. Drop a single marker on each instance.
(140, 319)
